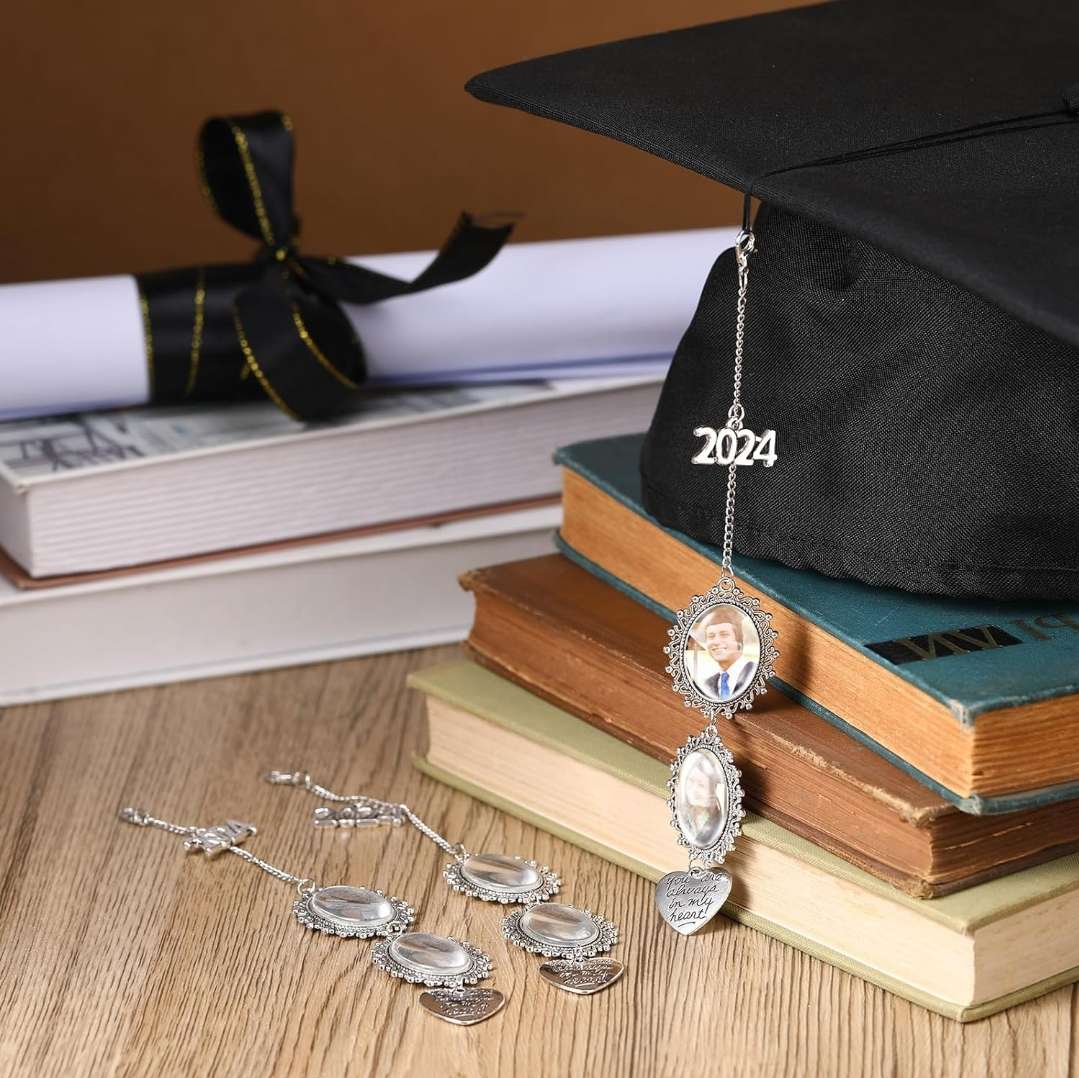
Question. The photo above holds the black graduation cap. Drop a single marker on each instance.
(913, 315)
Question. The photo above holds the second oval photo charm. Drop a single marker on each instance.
(720, 657)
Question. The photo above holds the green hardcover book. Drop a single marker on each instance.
(979, 700)
(966, 955)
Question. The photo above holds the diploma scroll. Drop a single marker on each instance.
(608, 306)
(308, 332)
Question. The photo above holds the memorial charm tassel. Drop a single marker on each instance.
(569, 937)
(720, 657)
(444, 964)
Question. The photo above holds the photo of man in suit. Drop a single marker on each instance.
(723, 633)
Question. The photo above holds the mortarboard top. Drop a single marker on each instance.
(914, 299)
(754, 102)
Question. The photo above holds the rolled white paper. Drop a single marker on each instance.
(617, 304)
(542, 305)
(71, 346)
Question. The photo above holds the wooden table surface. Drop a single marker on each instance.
(122, 955)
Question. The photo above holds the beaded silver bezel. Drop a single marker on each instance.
(403, 916)
(479, 966)
(455, 877)
(607, 938)
(681, 679)
(732, 826)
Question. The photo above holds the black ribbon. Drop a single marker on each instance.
(275, 325)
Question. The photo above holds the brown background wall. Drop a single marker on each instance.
(102, 102)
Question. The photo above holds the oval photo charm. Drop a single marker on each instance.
(701, 798)
(721, 651)
(706, 798)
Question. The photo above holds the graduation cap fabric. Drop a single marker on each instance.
(912, 327)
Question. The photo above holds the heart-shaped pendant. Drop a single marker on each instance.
(582, 978)
(462, 1006)
(688, 900)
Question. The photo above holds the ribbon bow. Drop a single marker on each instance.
(209, 329)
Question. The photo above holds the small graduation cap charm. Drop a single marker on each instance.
(214, 840)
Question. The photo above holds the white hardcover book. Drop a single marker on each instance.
(106, 490)
(311, 603)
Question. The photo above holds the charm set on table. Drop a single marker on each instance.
(568, 937)
(442, 963)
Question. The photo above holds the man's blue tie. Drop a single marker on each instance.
(724, 687)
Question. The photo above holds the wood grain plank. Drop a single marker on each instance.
(121, 955)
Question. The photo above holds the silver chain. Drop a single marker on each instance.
(304, 884)
(144, 819)
(743, 248)
(303, 780)
(457, 851)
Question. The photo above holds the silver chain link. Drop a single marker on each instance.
(277, 873)
(743, 248)
(303, 780)
(143, 819)
(457, 851)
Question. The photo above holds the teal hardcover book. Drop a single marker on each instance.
(977, 699)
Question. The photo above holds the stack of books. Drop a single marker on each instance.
(155, 545)
(913, 786)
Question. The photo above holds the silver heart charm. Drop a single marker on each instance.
(462, 1006)
(688, 900)
(582, 978)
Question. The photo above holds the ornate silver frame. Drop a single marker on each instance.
(453, 875)
(479, 967)
(732, 826)
(682, 680)
(607, 938)
(403, 916)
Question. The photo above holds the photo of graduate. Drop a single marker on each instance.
(722, 653)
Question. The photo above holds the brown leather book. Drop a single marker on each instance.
(574, 640)
(979, 697)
